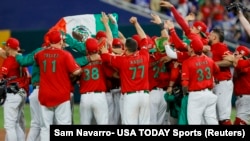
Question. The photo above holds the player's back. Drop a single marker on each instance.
(93, 78)
(134, 72)
(201, 70)
(55, 67)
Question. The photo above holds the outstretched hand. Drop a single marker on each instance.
(133, 20)
(155, 19)
(166, 4)
(103, 45)
(104, 18)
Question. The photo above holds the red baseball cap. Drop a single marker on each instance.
(100, 34)
(12, 43)
(54, 36)
(92, 45)
(117, 43)
(201, 26)
(197, 45)
(137, 38)
(243, 50)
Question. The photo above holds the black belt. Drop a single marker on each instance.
(95, 92)
(35, 87)
(98, 92)
(202, 90)
(218, 82)
(145, 91)
(156, 88)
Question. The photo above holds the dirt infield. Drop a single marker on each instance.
(2, 134)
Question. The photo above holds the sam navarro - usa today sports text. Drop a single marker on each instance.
(201, 131)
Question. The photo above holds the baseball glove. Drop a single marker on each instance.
(3, 92)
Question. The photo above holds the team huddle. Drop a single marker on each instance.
(139, 80)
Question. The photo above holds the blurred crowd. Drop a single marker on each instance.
(212, 12)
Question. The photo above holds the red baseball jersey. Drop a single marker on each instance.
(164, 73)
(175, 73)
(55, 67)
(198, 72)
(241, 79)
(93, 78)
(133, 69)
(154, 70)
(176, 41)
(218, 50)
(11, 68)
(112, 82)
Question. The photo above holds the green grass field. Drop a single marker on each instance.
(27, 115)
(76, 115)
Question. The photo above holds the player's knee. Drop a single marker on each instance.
(239, 121)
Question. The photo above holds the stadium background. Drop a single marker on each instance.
(29, 20)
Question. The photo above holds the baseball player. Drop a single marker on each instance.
(35, 124)
(113, 97)
(28, 60)
(157, 104)
(198, 29)
(93, 88)
(112, 93)
(157, 69)
(223, 80)
(54, 96)
(133, 71)
(16, 95)
(197, 82)
(176, 50)
(241, 87)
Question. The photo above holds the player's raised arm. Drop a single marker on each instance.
(105, 21)
(140, 31)
(245, 23)
(157, 20)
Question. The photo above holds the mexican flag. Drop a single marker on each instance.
(85, 25)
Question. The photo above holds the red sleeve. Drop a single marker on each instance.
(178, 43)
(112, 60)
(242, 64)
(181, 21)
(216, 68)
